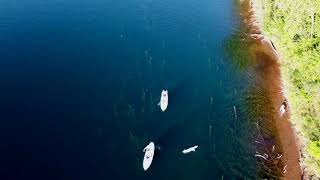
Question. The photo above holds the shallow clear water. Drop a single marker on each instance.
(81, 79)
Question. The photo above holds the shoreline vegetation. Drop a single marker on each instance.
(294, 27)
(278, 151)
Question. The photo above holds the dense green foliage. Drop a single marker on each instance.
(314, 149)
(294, 26)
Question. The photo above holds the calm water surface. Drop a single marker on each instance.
(81, 80)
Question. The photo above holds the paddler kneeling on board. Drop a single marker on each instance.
(164, 100)
(148, 155)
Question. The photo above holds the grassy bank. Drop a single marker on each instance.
(294, 27)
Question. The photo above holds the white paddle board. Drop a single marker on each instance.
(164, 100)
(189, 150)
(148, 155)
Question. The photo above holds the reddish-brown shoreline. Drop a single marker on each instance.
(266, 60)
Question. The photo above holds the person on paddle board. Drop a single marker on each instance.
(164, 100)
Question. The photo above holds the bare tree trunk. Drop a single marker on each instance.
(312, 23)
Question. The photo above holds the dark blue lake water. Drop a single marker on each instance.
(81, 80)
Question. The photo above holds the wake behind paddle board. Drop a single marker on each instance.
(164, 100)
(148, 155)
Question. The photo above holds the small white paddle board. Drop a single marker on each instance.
(189, 150)
(164, 100)
(148, 155)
